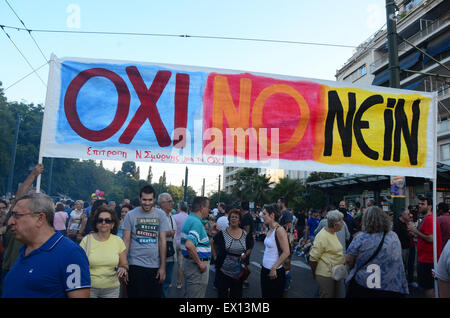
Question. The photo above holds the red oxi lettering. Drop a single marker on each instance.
(70, 104)
(147, 109)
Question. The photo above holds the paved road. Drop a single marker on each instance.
(302, 284)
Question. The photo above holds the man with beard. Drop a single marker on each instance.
(144, 235)
(425, 256)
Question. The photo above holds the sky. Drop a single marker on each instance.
(347, 22)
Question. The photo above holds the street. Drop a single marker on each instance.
(302, 284)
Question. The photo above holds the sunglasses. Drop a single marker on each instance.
(107, 221)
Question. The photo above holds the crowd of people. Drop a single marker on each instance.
(135, 249)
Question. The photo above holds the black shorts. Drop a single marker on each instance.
(424, 275)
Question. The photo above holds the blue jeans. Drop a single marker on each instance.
(168, 280)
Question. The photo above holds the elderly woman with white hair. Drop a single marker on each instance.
(326, 253)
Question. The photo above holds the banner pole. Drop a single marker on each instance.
(38, 179)
(40, 159)
(436, 291)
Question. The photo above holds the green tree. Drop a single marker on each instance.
(149, 175)
(216, 197)
(190, 195)
(176, 192)
(129, 168)
(251, 186)
(288, 188)
(162, 179)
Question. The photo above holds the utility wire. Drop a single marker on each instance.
(29, 64)
(18, 81)
(183, 36)
(29, 31)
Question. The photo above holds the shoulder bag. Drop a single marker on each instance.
(287, 262)
(169, 244)
(351, 284)
(88, 244)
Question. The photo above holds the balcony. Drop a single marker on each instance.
(443, 92)
(416, 39)
(443, 129)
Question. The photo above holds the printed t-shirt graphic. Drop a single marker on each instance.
(147, 230)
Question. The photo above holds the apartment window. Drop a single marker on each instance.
(445, 152)
(355, 75)
(363, 70)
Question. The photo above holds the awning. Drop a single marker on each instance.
(405, 63)
(437, 47)
(381, 78)
(363, 181)
(348, 180)
(414, 85)
(409, 61)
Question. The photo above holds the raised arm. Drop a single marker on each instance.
(26, 185)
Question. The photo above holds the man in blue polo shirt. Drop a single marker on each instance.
(49, 265)
(196, 249)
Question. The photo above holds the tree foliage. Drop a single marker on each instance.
(222, 196)
(251, 186)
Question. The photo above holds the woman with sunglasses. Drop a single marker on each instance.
(106, 253)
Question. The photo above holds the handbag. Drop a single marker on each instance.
(170, 251)
(88, 244)
(339, 272)
(353, 286)
(245, 272)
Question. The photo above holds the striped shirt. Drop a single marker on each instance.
(194, 231)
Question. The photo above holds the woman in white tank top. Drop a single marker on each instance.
(272, 270)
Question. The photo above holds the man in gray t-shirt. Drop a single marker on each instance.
(144, 235)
